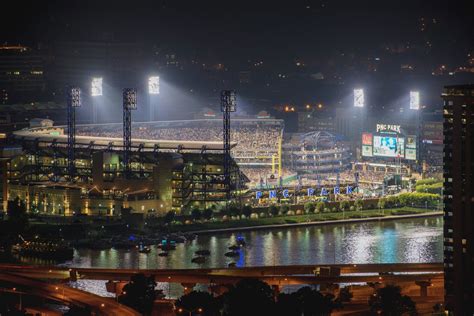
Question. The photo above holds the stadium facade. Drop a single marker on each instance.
(165, 174)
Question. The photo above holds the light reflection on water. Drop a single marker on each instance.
(404, 241)
(410, 240)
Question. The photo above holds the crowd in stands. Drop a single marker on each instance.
(250, 138)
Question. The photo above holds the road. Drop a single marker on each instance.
(59, 292)
(273, 275)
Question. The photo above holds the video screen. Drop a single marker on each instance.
(388, 146)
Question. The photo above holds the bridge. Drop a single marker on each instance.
(273, 275)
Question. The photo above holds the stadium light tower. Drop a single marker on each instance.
(359, 99)
(96, 91)
(415, 105)
(73, 102)
(228, 105)
(153, 91)
(414, 100)
(129, 104)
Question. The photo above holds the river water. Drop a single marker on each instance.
(408, 240)
(403, 241)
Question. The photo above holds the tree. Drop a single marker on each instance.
(16, 224)
(314, 303)
(287, 305)
(381, 203)
(169, 217)
(196, 214)
(207, 213)
(345, 295)
(234, 210)
(284, 209)
(359, 205)
(309, 207)
(250, 297)
(273, 210)
(389, 301)
(344, 205)
(139, 293)
(197, 301)
(320, 207)
(17, 217)
(246, 211)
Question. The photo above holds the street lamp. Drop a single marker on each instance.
(190, 312)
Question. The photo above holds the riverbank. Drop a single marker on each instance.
(305, 220)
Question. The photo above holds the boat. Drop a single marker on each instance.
(143, 249)
(203, 252)
(240, 241)
(44, 249)
(163, 254)
(199, 259)
(232, 253)
(167, 245)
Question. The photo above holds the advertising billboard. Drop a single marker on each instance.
(410, 154)
(389, 146)
(367, 151)
(411, 142)
(410, 151)
(367, 139)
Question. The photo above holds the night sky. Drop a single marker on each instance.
(349, 42)
(242, 29)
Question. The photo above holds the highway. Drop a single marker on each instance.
(60, 292)
(302, 274)
(37, 280)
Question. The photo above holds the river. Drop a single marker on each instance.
(407, 240)
(403, 240)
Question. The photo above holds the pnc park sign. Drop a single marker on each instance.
(285, 193)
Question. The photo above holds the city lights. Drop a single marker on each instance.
(414, 100)
(359, 100)
(154, 85)
(96, 87)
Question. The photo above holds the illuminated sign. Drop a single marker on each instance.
(410, 148)
(367, 139)
(388, 128)
(273, 194)
(410, 154)
(367, 151)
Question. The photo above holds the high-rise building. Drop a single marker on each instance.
(459, 198)
(21, 74)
